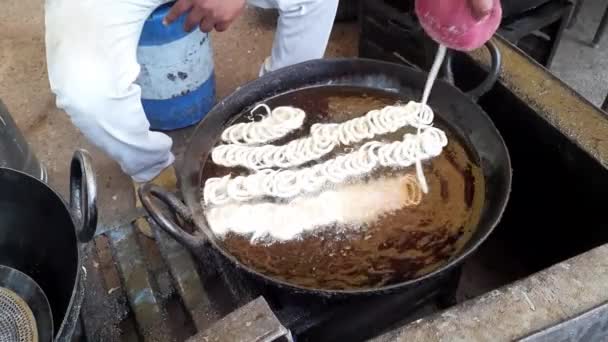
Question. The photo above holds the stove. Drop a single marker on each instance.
(144, 289)
(135, 283)
(310, 318)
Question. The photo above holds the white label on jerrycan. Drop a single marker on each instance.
(175, 68)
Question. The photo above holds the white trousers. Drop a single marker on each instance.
(91, 48)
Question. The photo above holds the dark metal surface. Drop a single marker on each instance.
(138, 282)
(347, 10)
(38, 236)
(70, 320)
(517, 7)
(578, 4)
(465, 118)
(539, 31)
(488, 82)
(254, 322)
(312, 320)
(601, 29)
(517, 29)
(187, 282)
(591, 326)
(103, 308)
(193, 241)
(15, 152)
(128, 216)
(27, 289)
(83, 206)
(83, 195)
(389, 33)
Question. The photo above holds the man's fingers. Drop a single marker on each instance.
(222, 26)
(207, 24)
(193, 20)
(481, 8)
(180, 7)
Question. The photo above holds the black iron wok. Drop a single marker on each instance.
(456, 108)
(40, 235)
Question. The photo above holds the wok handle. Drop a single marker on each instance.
(83, 195)
(489, 81)
(150, 191)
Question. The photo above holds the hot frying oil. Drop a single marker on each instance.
(397, 246)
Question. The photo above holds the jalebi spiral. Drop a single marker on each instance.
(324, 138)
(285, 221)
(411, 150)
(276, 124)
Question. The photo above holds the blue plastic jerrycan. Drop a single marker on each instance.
(177, 75)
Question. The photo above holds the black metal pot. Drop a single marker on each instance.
(455, 108)
(40, 235)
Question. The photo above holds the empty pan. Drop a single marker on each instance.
(25, 313)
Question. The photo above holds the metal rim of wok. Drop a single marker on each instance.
(456, 108)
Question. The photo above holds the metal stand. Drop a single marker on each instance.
(447, 298)
(599, 34)
(549, 20)
(605, 104)
(601, 29)
(577, 9)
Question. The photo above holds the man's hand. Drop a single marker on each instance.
(459, 24)
(207, 14)
(481, 8)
